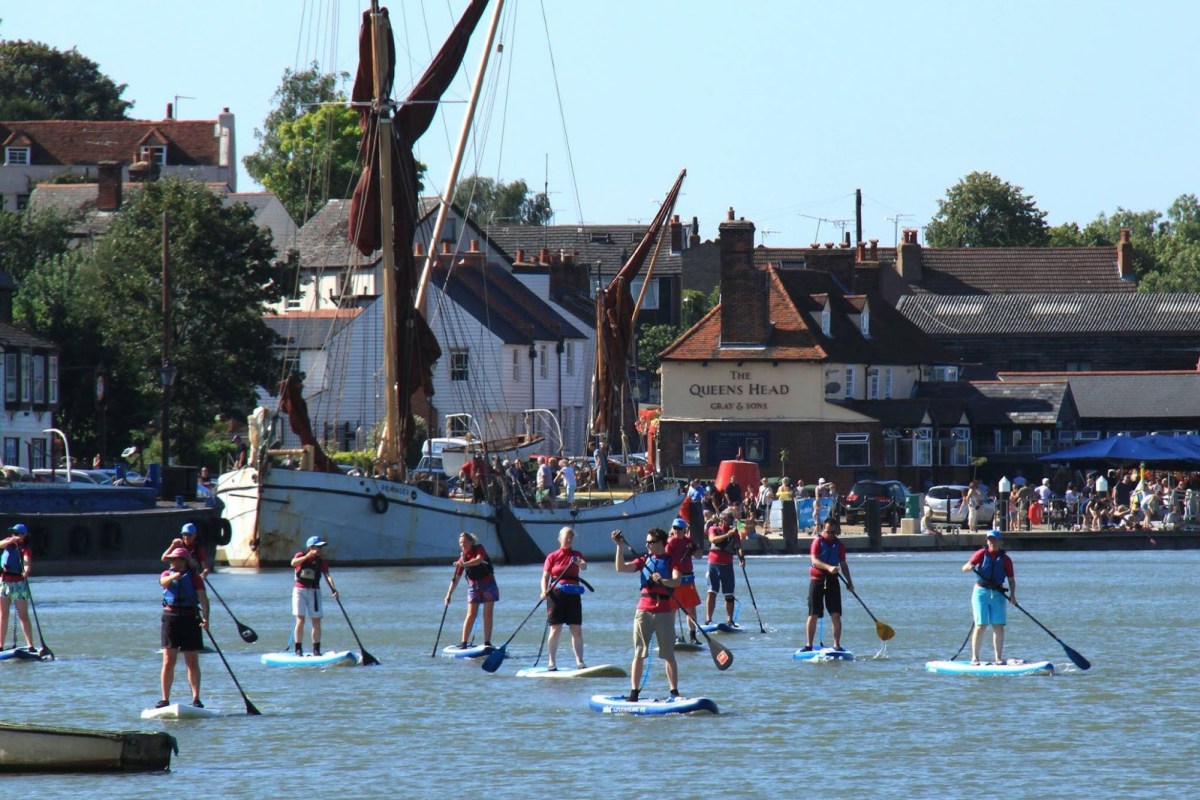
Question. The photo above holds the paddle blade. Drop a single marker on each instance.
(368, 660)
(722, 656)
(494, 659)
(248, 635)
(1077, 659)
(884, 631)
(45, 654)
(251, 709)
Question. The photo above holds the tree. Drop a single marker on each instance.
(221, 274)
(39, 82)
(982, 210)
(26, 239)
(492, 202)
(1175, 264)
(652, 340)
(308, 146)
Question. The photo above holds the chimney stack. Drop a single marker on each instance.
(109, 179)
(873, 250)
(694, 236)
(745, 317)
(1125, 256)
(676, 234)
(908, 257)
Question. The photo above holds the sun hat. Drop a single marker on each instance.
(178, 552)
(315, 541)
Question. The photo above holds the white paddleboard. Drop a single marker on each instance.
(820, 654)
(1013, 666)
(179, 711)
(598, 671)
(616, 704)
(470, 651)
(337, 658)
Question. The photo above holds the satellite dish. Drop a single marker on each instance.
(833, 387)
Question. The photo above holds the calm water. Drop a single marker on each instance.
(418, 726)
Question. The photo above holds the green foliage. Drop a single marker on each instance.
(695, 304)
(40, 82)
(652, 340)
(982, 210)
(26, 239)
(491, 202)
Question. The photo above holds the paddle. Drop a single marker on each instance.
(496, 657)
(882, 629)
(445, 608)
(367, 658)
(722, 656)
(1076, 658)
(963, 646)
(45, 653)
(250, 709)
(245, 631)
(746, 577)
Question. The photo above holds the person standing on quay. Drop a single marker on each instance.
(481, 586)
(185, 612)
(828, 557)
(988, 602)
(15, 561)
(564, 603)
(310, 566)
(659, 575)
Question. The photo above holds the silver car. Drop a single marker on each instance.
(945, 505)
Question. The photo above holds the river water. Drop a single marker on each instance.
(418, 726)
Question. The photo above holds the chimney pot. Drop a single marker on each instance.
(545, 255)
(730, 215)
(170, 111)
(829, 245)
(520, 255)
(474, 245)
(445, 248)
(860, 252)
(418, 249)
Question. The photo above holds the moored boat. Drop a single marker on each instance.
(41, 748)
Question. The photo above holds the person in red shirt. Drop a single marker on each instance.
(723, 542)
(682, 547)
(15, 561)
(659, 575)
(187, 540)
(564, 603)
(481, 582)
(310, 566)
(993, 567)
(828, 559)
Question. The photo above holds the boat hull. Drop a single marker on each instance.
(377, 522)
(38, 748)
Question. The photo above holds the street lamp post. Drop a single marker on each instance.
(167, 377)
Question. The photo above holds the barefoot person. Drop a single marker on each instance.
(655, 616)
(564, 603)
(15, 560)
(185, 612)
(991, 566)
(481, 586)
(310, 566)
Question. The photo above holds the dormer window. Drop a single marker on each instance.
(16, 156)
(827, 320)
(153, 154)
(864, 321)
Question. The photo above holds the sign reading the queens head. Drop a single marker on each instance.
(750, 391)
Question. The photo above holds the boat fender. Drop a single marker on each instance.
(110, 535)
(81, 540)
(379, 503)
(224, 532)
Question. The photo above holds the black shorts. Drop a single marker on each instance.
(824, 594)
(181, 632)
(564, 609)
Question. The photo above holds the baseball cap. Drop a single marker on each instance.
(189, 529)
(20, 528)
(679, 522)
(994, 535)
(315, 541)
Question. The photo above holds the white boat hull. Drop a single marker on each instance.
(375, 522)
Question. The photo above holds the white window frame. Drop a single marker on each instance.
(853, 441)
(887, 383)
(850, 370)
(17, 156)
(12, 378)
(569, 348)
(873, 383)
(864, 321)
(826, 320)
(691, 449)
(961, 454)
(650, 299)
(460, 364)
(922, 440)
(39, 379)
(891, 447)
(157, 151)
(516, 363)
(52, 375)
(26, 372)
(544, 361)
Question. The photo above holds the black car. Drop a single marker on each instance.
(891, 496)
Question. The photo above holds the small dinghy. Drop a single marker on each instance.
(42, 748)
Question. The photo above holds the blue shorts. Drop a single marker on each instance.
(720, 576)
(990, 606)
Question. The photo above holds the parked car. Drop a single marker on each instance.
(945, 503)
(892, 496)
(60, 475)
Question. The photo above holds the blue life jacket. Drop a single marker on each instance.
(661, 565)
(991, 571)
(828, 551)
(180, 593)
(11, 561)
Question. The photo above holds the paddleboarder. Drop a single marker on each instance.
(185, 612)
(482, 589)
(187, 540)
(564, 603)
(992, 566)
(682, 547)
(724, 542)
(827, 557)
(15, 561)
(310, 565)
(659, 575)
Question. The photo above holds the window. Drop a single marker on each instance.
(873, 383)
(850, 370)
(16, 156)
(691, 449)
(26, 370)
(891, 447)
(1079, 366)
(12, 378)
(922, 447)
(864, 321)
(570, 347)
(961, 456)
(854, 450)
(826, 320)
(37, 454)
(12, 451)
(544, 361)
(460, 365)
(1035, 441)
(650, 299)
(887, 383)
(154, 154)
(39, 379)
(942, 373)
(516, 363)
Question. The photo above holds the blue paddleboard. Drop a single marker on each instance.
(1013, 666)
(820, 654)
(470, 651)
(722, 627)
(337, 658)
(18, 654)
(617, 704)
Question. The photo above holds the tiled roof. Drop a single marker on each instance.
(797, 298)
(1017, 270)
(1025, 402)
(502, 304)
(1128, 395)
(12, 336)
(309, 330)
(322, 240)
(908, 413)
(70, 142)
(1042, 314)
(609, 244)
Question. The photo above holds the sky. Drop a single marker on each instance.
(778, 109)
